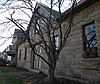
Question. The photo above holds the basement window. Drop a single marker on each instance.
(90, 41)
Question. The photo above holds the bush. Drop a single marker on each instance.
(2, 62)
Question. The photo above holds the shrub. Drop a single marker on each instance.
(2, 62)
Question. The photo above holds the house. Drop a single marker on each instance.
(5, 55)
(10, 55)
(11, 50)
(80, 58)
(26, 58)
(18, 38)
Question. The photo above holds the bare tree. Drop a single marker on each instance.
(47, 30)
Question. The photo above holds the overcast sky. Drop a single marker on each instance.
(8, 32)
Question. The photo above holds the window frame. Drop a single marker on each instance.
(92, 55)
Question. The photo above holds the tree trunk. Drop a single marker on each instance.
(51, 72)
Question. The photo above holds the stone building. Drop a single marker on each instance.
(18, 38)
(26, 58)
(80, 58)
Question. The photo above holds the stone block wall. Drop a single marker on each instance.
(26, 63)
(71, 61)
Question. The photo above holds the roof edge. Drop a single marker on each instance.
(79, 7)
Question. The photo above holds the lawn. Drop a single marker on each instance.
(4, 69)
(8, 77)
(11, 79)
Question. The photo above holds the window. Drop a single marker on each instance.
(37, 26)
(57, 41)
(90, 42)
(25, 53)
(37, 60)
(19, 54)
(30, 33)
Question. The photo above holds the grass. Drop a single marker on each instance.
(4, 69)
(11, 79)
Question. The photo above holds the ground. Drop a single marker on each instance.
(13, 75)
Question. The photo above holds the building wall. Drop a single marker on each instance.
(30, 62)
(26, 63)
(71, 62)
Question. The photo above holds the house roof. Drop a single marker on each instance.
(54, 12)
(80, 5)
(18, 33)
(45, 7)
